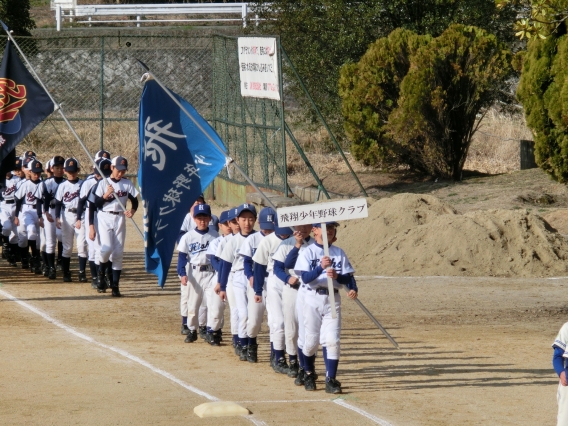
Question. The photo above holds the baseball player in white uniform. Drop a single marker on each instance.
(314, 268)
(198, 280)
(291, 302)
(229, 293)
(232, 261)
(66, 202)
(28, 195)
(111, 219)
(7, 213)
(560, 367)
(49, 189)
(87, 219)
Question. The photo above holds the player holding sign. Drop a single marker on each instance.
(314, 268)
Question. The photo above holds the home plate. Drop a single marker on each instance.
(220, 409)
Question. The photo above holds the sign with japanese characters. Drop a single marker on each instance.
(333, 211)
(258, 67)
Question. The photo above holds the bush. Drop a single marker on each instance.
(427, 122)
(543, 91)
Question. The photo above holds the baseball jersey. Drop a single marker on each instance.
(122, 189)
(85, 191)
(29, 192)
(10, 190)
(561, 340)
(231, 252)
(310, 258)
(49, 189)
(286, 247)
(222, 245)
(68, 193)
(266, 250)
(195, 244)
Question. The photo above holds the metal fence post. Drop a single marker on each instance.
(102, 92)
(282, 121)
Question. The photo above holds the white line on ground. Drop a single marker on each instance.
(165, 373)
(284, 401)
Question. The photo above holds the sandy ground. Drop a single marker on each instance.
(473, 351)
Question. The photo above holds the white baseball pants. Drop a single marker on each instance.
(318, 322)
(112, 233)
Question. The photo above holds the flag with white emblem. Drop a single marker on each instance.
(177, 162)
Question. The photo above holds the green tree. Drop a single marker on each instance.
(320, 36)
(16, 15)
(370, 90)
(424, 118)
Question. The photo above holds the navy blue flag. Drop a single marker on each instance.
(177, 163)
(23, 102)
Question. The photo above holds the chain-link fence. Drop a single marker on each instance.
(96, 80)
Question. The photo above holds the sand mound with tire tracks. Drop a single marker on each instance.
(418, 235)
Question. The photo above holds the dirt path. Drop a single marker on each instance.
(473, 351)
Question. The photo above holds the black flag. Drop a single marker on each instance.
(23, 102)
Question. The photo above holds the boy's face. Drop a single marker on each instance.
(246, 222)
(202, 221)
(305, 230)
(318, 235)
(117, 174)
(19, 173)
(71, 175)
(234, 225)
(225, 228)
(35, 176)
(57, 171)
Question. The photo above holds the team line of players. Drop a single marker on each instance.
(275, 269)
(37, 215)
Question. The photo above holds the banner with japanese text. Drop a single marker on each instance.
(177, 162)
(258, 65)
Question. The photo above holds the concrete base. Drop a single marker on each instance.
(220, 409)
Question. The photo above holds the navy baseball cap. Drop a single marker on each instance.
(223, 217)
(17, 164)
(104, 165)
(232, 213)
(102, 154)
(120, 163)
(285, 230)
(71, 165)
(214, 222)
(58, 160)
(318, 225)
(266, 218)
(36, 166)
(27, 162)
(246, 208)
(202, 209)
(29, 154)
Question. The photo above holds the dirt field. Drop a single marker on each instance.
(473, 351)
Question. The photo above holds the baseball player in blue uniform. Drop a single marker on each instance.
(314, 268)
(197, 277)
(111, 220)
(8, 209)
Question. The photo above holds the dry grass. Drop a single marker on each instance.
(495, 147)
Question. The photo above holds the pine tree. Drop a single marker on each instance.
(16, 15)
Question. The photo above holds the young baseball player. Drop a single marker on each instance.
(198, 282)
(282, 298)
(28, 195)
(9, 229)
(251, 312)
(232, 261)
(103, 165)
(111, 219)
(66, 202)
(264, 281)
(561, 368)
(314, 268)
(230, 294)
(49, 189)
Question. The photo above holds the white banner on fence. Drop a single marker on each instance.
(323, 212)
(258, 65)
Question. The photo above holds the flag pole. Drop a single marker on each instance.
(58, 108)
(227, 157)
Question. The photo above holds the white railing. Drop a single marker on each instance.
(226, 10)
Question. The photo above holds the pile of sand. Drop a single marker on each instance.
(418, 235)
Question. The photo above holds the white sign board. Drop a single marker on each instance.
(333, 211)
(258, 65)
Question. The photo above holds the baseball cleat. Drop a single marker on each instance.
(82, 277)
(185, 329)
(243, 356)
(300, 377)
(238, 349)
(332, 386)
(252, 353)
(293, 369)
(52, 274)
(94, 283)
(115, 292)
(310, 382)
(215, 338)
(281, 366)
(191, 337)
(67, 277)
(202, 331)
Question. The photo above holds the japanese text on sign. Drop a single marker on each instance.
(258, 66)
(325, 212)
